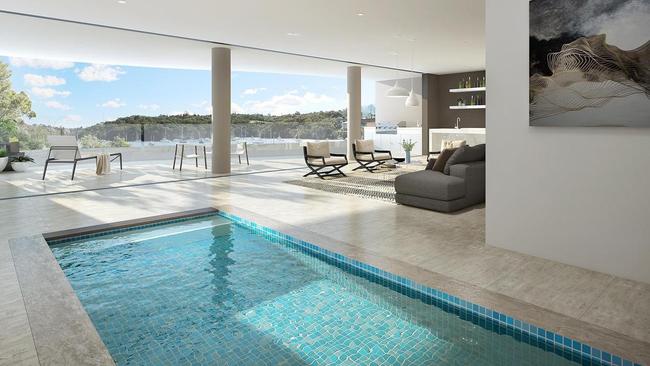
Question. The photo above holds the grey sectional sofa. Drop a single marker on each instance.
(434, 190)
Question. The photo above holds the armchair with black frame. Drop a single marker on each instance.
(368, 157)
(321, 162)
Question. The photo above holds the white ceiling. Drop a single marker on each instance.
(448, 34)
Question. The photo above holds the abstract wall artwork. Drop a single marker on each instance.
(589, 63)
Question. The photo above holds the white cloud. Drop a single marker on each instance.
(56, 105)
(207, 108)
(40, 63)
(113, 103)
(252, 91)
(49, 92)
(149, 107)
(40, 80)
(97, 72)
(235, 108)
(293, 102)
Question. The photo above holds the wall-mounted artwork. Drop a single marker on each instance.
(590, 63)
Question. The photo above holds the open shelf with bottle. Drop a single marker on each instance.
(467, 90)
(467, 106)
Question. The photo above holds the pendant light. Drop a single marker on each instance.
(412, 100)
(397, 91)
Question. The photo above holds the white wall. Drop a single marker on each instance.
(575, 195)
(393, 109)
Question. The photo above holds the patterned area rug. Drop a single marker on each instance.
(379, 185)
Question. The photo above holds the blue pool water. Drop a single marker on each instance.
(208, 291)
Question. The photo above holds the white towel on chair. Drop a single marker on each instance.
(103, 164)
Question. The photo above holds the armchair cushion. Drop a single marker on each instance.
(366, 146)
(378, 157)
(335, 160)
(318, 149)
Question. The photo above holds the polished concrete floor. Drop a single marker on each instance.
(57, 179)
(418, 243)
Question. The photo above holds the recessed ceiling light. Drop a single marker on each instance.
(121, 1)
(360, 14)
(293, 34)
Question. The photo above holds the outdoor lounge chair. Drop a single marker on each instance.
(196, 155)
(241, 149)
(318, 157)
(64, 150)
(368, 157)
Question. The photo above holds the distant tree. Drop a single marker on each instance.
(13, 105)
(119, 142)
(91, 141)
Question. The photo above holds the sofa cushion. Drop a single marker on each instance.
(318, 149)
(365, 145)
(441, 161)
(466, 154)
(430, 184)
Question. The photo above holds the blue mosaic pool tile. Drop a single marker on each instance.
(529, 333)
(606, 356)
(577, 345)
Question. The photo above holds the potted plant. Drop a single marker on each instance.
(21, 163)
(407, 146)
(3, 159)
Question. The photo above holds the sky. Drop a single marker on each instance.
(78, 94)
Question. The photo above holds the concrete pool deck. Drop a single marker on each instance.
(439, 250)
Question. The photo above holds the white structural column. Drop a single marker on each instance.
(220, 110)
(354, 107)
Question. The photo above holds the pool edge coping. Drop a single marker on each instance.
(400, 280)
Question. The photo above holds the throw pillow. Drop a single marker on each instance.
(450, 144)
(430, 164)
(465, 154)
(365, 145)
(318, 149)
(441, 162)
